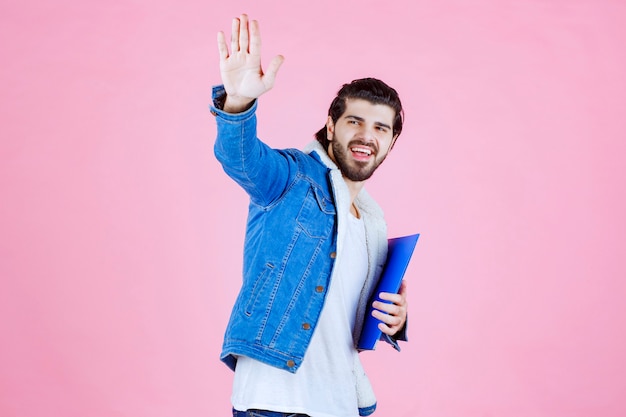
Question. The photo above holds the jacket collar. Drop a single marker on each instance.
(363, 200)
(316, 148)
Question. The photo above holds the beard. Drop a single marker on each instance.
(354, 170)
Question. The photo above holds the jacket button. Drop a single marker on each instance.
(306, 326)
(291, 363)
(333, 255)
(319, 288)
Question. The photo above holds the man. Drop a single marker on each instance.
(315, 243)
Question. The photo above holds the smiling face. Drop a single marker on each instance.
(361, 138)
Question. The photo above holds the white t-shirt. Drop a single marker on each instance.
(324, 386)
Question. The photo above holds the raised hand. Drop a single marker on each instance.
(243, 78)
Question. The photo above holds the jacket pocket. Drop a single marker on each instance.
(316, 215)
(257, 289)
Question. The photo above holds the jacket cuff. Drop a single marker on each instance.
(218, 97)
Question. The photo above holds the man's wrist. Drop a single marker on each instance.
(218, 97)
(236, 105)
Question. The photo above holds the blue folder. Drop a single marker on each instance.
(398, 257)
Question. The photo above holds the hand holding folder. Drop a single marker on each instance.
(398, 257)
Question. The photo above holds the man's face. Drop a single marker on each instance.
(361, 138)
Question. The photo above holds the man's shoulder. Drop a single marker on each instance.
(309, 160)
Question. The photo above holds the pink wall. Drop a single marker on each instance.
(120, 237)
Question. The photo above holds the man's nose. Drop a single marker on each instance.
(368, 133)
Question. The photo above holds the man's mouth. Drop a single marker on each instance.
(361, 152)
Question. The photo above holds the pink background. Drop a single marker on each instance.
(120, 236)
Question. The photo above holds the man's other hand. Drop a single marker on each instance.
(392, 316)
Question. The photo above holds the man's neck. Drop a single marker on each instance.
(354, 187)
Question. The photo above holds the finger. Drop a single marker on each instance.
(389, 320)
(255, 38)
(387, 296)
(402, 288)
(243, 33)
(388, 330)
(272, 69)
(385, 329)
(221, 45)
(387, 308)
(234, 36)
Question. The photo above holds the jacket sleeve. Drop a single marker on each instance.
(264, 173)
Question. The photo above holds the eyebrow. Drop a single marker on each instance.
(360, 119)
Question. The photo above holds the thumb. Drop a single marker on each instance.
(270, 74)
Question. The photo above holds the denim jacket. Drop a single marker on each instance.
(291, 241)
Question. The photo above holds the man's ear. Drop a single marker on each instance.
(330, 128)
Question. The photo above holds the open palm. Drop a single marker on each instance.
(243, 78)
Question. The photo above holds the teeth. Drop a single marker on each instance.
(362, 150)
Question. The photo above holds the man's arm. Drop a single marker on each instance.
(243, 78)
(264, 173)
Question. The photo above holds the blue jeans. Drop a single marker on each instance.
(264, 413)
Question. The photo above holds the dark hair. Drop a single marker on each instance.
(370, 89)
